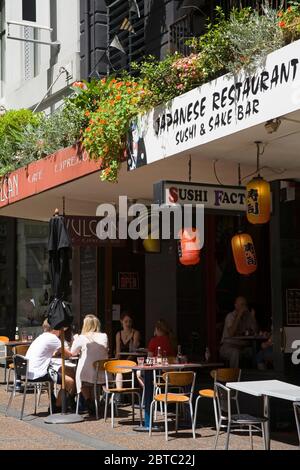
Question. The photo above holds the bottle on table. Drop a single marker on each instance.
(17, 336)
(159, 356)
(179, 354)
(207, 354)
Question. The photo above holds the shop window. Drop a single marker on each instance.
(29, 10)
(33, 282)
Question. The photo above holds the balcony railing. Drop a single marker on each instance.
(183, 28)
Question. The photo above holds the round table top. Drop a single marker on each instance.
(134, 353)
(17, 343)
(187, 365)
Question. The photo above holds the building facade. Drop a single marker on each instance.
(107, 279)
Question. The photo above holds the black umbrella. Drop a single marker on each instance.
(59, 310)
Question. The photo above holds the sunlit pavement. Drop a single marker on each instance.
(33, 433)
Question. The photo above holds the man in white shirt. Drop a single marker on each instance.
(40, 354)
(240, 322)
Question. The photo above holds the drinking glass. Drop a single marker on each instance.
(140, 361)
(24, 336)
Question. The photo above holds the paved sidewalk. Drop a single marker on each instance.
(33, 433)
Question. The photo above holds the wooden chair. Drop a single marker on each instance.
(219, 375)
(21, 350)
(3, 354)
(120, 367)
(159, 384)
(99, 367)
(175, 379)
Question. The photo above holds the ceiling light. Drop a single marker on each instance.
(272, 125)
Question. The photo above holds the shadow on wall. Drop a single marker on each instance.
(155, 26)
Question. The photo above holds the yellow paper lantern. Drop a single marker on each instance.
(244, 253)
(151, 245)
(258, 201)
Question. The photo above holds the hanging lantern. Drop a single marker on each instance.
(189, 246)
(244, 253)
(151, 245)
(258, 201)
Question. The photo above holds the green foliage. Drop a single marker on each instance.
(58, 130)
(12, 128)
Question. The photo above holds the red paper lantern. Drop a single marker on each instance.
(189, 246)
(244, 253)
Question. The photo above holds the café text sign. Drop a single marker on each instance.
(219, 108)
(231, 198)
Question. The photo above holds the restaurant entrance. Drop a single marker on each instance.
(206, 292)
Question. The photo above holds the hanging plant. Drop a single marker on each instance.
(110, 105)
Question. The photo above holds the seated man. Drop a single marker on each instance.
(238, 323)
(40, 353)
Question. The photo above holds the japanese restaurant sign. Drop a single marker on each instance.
(212, 197)
(217, 109)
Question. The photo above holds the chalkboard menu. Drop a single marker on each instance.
(88, 280)
(293, 306)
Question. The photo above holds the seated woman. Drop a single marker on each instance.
(128, 339)
(163, 339)
(92, 346)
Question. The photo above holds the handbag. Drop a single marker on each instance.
(59, 314)
(53, 373)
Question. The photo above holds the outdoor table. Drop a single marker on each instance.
(267, 389)
(14, 343)
(148, 383)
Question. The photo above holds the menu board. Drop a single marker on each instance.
(293, 306)
(88, 280)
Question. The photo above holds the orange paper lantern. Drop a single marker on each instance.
(244, 253)
(258, 201)
(189, 246)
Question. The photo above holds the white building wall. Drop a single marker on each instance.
(19, 92)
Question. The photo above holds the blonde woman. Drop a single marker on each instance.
(92, 346)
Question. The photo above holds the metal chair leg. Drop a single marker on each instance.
(112, 409)
(8, 379)
(49, 395)
(296, 412)
(106, 405)
(251, 437)
(217, 433)
(192, 420)
(12, 394)
(151, 416)
(264, 436)
(35, 398)
(196, 411)
(140, 407)
(96, 400)
(215, 412)
(166, 421)
(23, 401)
(77, 402)
(227, 435)
(132, 406)
(176, 418)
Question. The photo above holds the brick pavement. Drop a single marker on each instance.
(33, 433)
